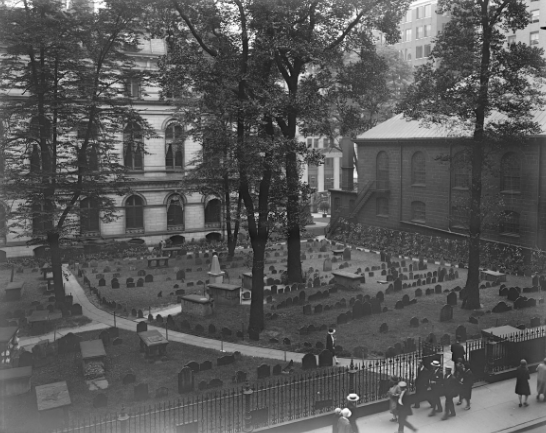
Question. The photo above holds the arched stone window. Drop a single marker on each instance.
(418, 169)
(133, 147)
(213, 213)
(382, 170)
(460, 171)
(134, 213)
(511, 172)
(174, 146)
(175, 213)
(509, 223)
(89, 215)
(418, 212)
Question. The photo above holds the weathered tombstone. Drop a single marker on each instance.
(264, 371)
(452, 299)
(141, 392)
(76, 310)
(114, 283)
(140, 314)
(384, 328)
(438, 289)
(326, 358)
(501, 307)
(194, 366)
(460, 332)
(513, 294)
(399, 305)
(397, 285)
(205, 366)
(140, 282)
(418, 292)
(406, 300)
(185, 380)
(535, 321)
(366, 308)
(309, 361)
(277, 369)
(414, 322)
(347, 254)
(102, 282)
(446, 313)
(149, 278)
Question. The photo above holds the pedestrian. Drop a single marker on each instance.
(451, 386)
(352, 400)
(394, 394)
(466, 381)
(421, 384)
(331, 344)
(436, 383)
(457, 351)
(343, 424)
(404, 408)
(522, 382)
(335, 423)
(541, 380)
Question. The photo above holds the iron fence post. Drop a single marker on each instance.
(248, 427)
(352, 376)
(123, 419)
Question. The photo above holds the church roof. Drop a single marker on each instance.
(401, 128)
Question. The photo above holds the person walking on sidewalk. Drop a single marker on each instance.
(331, 344)
(335, 423)
(522, 382)
(457, 351)
(404, 408)
(436, 383)
(352, 400)
(466, 381)
(343, 424)
(421, 384)
(394, 394)
(451, 390)
(541, 380)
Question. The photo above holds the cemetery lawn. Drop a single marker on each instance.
(21, 416)
(14, 310)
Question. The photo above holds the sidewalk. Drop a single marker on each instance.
(494, 410)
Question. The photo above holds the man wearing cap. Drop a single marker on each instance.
(331, 343)
(404, 408)
(451, 390)
(436, 383)
(352, 400)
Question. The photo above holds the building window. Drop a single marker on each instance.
(309, 142)
(41, 221)
(535, 16)
(133, 87)
(459, 217)
(427, 50)
(428, 30)
(509, 224)
(328, 183)
(407, 35)
(89, 215)
(382, 170)
(511, 172)
(533, 38)
(419, 12)
(174, 146)
(175, 213)
(326, 143)
(418, 169)
(134, 213)
(212, 213)
(133, 153)
(460, 171)
(418, 52)
(419, 32)
(316, 143)
(428, 11)
(418, 212)
(382, 206)
(511, 39)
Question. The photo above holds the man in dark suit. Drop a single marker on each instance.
(451, 389)
(331, 344)
(404, 409)
(436, 384)
(457, 351)
(421, 384)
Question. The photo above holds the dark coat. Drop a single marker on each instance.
(457, 351)
(330, 343)
(451, 386)
(344, 426)
(436, 379)
(404, 409)
(522, 381)
(421, 381)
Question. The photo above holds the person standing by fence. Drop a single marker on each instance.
(457, 351)
(404, 408)
(331, 344)
(541, 380)
(421, 384)
(522, 382)
(451, 390)
(436, 383)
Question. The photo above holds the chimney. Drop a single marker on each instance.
(347, 164)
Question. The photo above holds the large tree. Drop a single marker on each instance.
(65, 106)
(301, 35)
(474, 74)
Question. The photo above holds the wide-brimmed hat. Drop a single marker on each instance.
(331, 331)
(346, 413)
(435, 363)
(402, 384)
(353, 397)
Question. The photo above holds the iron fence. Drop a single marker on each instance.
(265, 403)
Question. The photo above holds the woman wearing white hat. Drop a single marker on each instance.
(344, 424)
(404, 408)
(331, 344)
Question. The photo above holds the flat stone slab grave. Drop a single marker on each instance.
(197, 305)
(338, 252)
(499, 333)
(492, 276)
(14, 290)
(225, 293)
(347, 279)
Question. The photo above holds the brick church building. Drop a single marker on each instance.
(413, 179)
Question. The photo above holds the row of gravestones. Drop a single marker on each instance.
(539, 280)
(407, 346)
(419, 291)
(404, 302)
(514, 294)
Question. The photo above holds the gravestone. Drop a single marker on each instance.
(460, 332)
(520, 302)
(309, 361)
(327, 265)
(318, 309)
(149, 278)
(102, 282)
(397, 285)
(513, 294)
(452, 299)
(194, 366)
(446, 313)
(141, 392)
(473, 320)
(185, 380)
(140, 282)
(140, 314)
(205, 366)
(380, 295)
(399, 305)
(277, 370)
(114, 283)
(307, 309)
(181, 275)
(264, 371)
(414, 322)
(141, 327)
(240, 376)
(384, 328)
(366, 308)
(418, 292)
(326, 359)
(141, 273)
(347, 254)
(406, 300)
(438, 289)
(76, 310)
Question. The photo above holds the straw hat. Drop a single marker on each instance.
(402, 384)
(353, 397)
(435, 363)
(331, 331)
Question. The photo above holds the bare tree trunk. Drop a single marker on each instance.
(55, 252)
(293, 236)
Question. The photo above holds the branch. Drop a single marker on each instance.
(283, 71)
(498, 13)
(341, 37)
(198, 38)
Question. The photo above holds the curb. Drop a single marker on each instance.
(523, 427)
